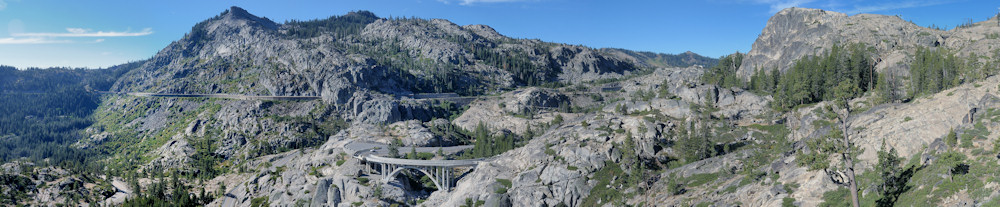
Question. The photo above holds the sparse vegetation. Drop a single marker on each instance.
(601, 193)
(504, 185)
(363, 181)
(701, 179)
(836, 198)
(788, 202)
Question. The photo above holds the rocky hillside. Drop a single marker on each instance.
(669, 60)
(343, 57)
(237, 52)
(364, 68)
(555, 124)
(794, 33)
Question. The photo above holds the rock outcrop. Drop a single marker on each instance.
(794, 33)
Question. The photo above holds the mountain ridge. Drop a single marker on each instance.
(235, 20)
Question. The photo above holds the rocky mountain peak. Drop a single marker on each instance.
(237, 11)
(794, 33)
(796, 12)
(362, 13)
(484, 31)
(239, 16)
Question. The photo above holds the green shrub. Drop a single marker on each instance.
(994, 202)
(549, 151)
(504, 182)
(363, 181)
(731, 189)
(836, 198)
(951, 139)
(966, 140)
(606, 190)
(996, 145)
(790, 187)
(700, 179)
(260, 202)
(557, 120)
(788, 202)
(504, 185)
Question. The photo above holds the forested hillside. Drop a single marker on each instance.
(42, 112)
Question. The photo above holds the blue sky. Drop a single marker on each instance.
(45, 33)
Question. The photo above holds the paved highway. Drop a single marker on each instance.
(227, 96)
(461, 100)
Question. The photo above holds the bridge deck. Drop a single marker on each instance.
(368, 151)
(426, 163)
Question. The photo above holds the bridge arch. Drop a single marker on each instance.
(392, 175)
(441, 172)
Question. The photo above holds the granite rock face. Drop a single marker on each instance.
(239, 53)
(522, 101)
(794, 33)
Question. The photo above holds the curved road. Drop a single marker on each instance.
(455, 99)
(227, 96)
(368, 150)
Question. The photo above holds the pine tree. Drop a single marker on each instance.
(413, 152)
(844, 92)
(394, 148)
(891, 183)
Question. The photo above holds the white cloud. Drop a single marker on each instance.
(80, 32)
(3, 5)
(98, 40)
(30, 40)
(77, 30)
